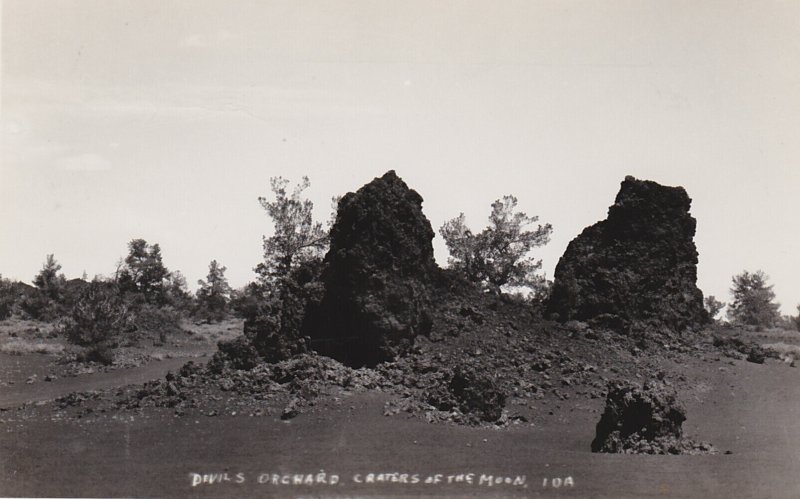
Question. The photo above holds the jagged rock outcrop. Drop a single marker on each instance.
(377, 278)
(644, 419)
(636, 269)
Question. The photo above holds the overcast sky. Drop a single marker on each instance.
(165, 120)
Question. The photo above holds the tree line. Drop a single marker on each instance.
(144, 295)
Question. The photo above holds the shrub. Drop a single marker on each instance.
(163, 321)
(272, 343)
(96, 321)
(276, 328)
(39, 306)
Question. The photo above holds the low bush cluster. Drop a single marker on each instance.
(40, 307)
(274, 324)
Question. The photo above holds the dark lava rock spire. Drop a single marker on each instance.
(637, 268)
(377, 277)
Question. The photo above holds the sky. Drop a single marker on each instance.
(164, 120)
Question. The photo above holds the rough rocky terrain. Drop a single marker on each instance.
(312, 414)
(487, 362)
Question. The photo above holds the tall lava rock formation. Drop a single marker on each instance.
(377, 277)
(637, 268)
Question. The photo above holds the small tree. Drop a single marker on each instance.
(753, 300)
(797, 319)
(47, 303)
(48, 280)
(96, 321)
(713, 306)
(296, 238)
(214, 293)
(7, 298)
(274, 307)
(177, 292)
(498, 256)
(143, 272)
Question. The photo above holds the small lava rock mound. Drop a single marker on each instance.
(638, 267)
(378, 275)
(752, 352)
(644, 420)
(473, 391)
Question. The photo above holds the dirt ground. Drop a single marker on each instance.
(749, 412)
(33, 353)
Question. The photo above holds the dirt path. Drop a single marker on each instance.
(18, 394)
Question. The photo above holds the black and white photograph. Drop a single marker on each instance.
(429, 248)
